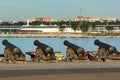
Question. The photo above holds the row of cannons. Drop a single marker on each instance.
(73, 52)
(105, 52)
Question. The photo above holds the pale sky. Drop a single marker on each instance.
(27, 9)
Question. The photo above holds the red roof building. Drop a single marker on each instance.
(47, 19)
(81, 17)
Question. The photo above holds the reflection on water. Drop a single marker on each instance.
(26, 44)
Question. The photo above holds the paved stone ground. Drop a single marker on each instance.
(59, 65)
(59, 68)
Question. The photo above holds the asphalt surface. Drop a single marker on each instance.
(32, 70)
(18, 73)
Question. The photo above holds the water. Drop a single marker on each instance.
(26, 44)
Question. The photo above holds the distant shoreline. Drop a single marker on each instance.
(52, 36)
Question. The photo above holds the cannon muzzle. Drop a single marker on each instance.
(108, 47)
(46, 49)
(76, 48)
(11, 47)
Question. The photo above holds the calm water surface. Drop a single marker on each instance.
(26, 44)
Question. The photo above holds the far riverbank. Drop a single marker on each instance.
(65, 35)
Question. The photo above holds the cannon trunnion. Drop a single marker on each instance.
(12, 52)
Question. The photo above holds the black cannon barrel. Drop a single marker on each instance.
(9, 45)
(1, 55)
(76, 48)
(108, 47)
(46, 49)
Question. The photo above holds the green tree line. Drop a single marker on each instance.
(75, 25)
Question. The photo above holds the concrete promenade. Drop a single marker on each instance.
(59, 65)
(46, 35)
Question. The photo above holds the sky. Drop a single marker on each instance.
(28, 9)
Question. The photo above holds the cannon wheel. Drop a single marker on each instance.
(20, 57)
(39, 55)
(53, 57)
(70, 55)
(8, 55)
(102, 54)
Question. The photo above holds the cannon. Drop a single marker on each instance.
(46, 49)
(12, 47)
(76, 48)
(111, 49)
(43, 51)
(12, 52)
(73, 51)
(1, 55)
(104, 50)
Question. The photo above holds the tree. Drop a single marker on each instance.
(74, 26)
(20, 23)
(93, 26)
(61, 28)
(46, 23)
(109, 28)
(54, 23)
(84, 26)
(36, 23)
